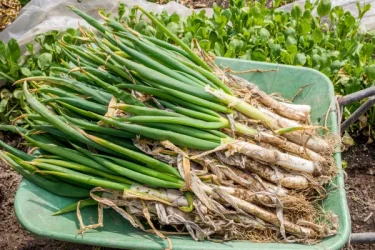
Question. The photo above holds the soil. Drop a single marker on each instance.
(360, 184)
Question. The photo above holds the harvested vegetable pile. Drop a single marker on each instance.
(169, 140)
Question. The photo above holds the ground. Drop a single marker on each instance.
(359, 185)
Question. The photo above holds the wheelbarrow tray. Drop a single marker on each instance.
(34, 206)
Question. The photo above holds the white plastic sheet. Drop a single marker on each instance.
(40, 16)
(44, 15)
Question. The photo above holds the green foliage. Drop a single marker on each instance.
(24, 2)
(330, 42)
(324, 7)
(14, 66)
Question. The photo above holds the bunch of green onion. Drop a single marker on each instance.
(131, 112)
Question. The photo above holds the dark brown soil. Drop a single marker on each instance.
(360, 187)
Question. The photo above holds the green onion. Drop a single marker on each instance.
(176, 120)
(15, 151)
(121, 95)
(80, 87)
(143, 170)
(148, 180)
(59, 188)
(80, 103)
(194, 56)
(68, 154)
(81, 168)
(89, 180)
(73, 207)
(162, 79)
(149, 161)
(160, 135)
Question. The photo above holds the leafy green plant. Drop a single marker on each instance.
(10, 70)
(331, 41)
(14, 66)
(24, 2)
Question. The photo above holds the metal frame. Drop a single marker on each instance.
(362, 238)
(354, 97)
(358, 238)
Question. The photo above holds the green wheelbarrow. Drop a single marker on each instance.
(34, 205)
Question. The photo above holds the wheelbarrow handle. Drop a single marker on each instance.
(354, 97)
(362, 238)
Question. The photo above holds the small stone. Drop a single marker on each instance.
(371, 171)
